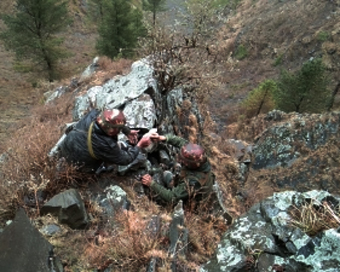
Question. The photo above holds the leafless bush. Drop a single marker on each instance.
(28, 168)
(314, 217)
(118, 67)
(129, 246)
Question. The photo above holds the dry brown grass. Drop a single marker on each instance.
(107, 70)
(225, 167)
(126, 243)
(313, 217)
(129, 246)
(205, 233)
(28, 168)
(117, 67)
(256, 189)
(218, 81)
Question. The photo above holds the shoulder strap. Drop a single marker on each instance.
(89, 142)
(192, 180)
(204, 177)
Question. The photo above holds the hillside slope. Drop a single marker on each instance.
(17, 94)
(275, 35)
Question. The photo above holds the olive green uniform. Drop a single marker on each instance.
(191, 184)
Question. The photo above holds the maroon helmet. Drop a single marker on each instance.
(192, 155)
(111, 121)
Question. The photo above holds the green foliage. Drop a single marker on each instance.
(241, 52)
(234, 3)
(305, 91)
(21, 67)
(260, 100)
(96, 10)
(323, 36)
(119, 29)
(154, 6)
(31, 32)
(137, 22)
(278, 60)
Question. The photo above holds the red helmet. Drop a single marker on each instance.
(192, 155)
(111, 121)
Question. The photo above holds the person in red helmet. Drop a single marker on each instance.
(94, 141)
(195, 181)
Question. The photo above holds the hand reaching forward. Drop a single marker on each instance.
(144, 142)
(157, 138)
(133, 136)
(146, 180)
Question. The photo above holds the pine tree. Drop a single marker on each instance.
(32, 33)
(154, 6)
(119, 29)
(260, 100)
(304, 91)
(95, 10)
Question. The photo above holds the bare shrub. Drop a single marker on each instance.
(129, 246)
(205, 232)
(222, 159)
(314, 217)
(28, 169)
(117, 67)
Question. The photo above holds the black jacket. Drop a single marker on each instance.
(106, 149)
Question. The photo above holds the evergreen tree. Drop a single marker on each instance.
(96, 10)
(137, 22)
(260, 100)
(305, 91)
(31, 32)
(119, 29)
(154, 6)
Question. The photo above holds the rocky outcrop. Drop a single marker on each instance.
(69, 207)
(296, 151)
(281, 144)
(24, 249)
(266, 238)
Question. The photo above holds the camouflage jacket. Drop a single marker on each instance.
(191, 184)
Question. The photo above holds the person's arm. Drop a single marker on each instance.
(109, 151)
(172, 140)
(170, 196)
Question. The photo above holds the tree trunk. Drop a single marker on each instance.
(335, 92)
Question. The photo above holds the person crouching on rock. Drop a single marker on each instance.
(94, 141)
(195, 181)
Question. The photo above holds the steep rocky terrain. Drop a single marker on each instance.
(275, 35)
(293, 151)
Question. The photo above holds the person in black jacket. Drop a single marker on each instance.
(94, 141)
